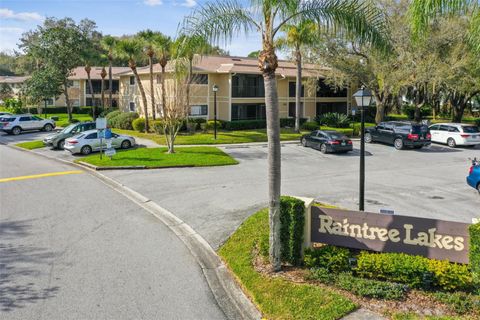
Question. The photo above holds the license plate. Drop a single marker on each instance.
(343, 143)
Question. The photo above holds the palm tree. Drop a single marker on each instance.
(224, 19)
(164, 50)
(149, 39)
(88, 68)
(297, 36)
(131, 49)
(103, 74)
(109, 43)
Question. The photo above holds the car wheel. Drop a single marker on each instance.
(86, 150)
(126, 144)
(61, 144)
(304, 142)
(398, 144)
(368, 137)
(16, 131)
(478, 187)
(323, 148)
(451, 143)
(48, 127)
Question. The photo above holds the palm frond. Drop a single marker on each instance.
(358, 20)
(474, 32)
(220, 20)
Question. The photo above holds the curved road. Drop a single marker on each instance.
(72, 248)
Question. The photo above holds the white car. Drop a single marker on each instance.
(455, 134)
(88, 141)
(15, 124)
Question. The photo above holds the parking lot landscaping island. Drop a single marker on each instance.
(158, 158)
(30, 145)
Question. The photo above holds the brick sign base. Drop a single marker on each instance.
(435, 239)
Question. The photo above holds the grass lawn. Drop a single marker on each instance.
(63, 118)
(30, 145)
(158, 157)
(276, 297)
(223, 137)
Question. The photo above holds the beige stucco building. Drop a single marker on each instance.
(240, 93)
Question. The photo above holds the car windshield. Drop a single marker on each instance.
(68, 129)
(419, 129)
(470, 129)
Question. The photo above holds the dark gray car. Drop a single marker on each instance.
(57, 140)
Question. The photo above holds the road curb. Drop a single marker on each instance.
(228, 294)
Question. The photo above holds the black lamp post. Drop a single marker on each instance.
(363, 98)
(215, 89)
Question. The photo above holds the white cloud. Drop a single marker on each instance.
(21, 16)
(9, 37)
(152, 3)
(189, 3)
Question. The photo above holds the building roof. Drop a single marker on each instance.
(79, 73)
(13, 79)
(227, 64)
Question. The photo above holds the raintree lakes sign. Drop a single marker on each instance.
(435, 239)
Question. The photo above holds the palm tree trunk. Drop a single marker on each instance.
(274, 169)
(164, 99)
(152, 93)
(91, 93)
(144, 97)
(103, 93)
(110, 84)
(67, 101)
(190, 71)
(298, 92)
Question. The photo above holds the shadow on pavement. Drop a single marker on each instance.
(19, 265)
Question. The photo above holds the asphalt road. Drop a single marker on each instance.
(72, 248)
(214, 201)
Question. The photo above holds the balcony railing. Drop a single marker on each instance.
(248, 91)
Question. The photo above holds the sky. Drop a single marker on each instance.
(115, 17)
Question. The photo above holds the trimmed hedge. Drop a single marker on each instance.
(123, 120)
(292, 222)
(346, 131)
(474, 231)
(290, 122)
(310, 126)
(139, 124)
(211, 125)
(412, 270)
(332, 258)
(245, 124)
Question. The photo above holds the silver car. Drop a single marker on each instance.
(15, 124)
(88, 141)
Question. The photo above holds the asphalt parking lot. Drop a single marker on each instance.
(426, 183)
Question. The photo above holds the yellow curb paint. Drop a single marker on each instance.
(42, 175)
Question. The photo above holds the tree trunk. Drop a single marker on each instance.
(92, 94)
(103, 93)
(144, 97)
(164, 99)
(298, 92)
(152, 93)
(110, 83)
(190, 71)
(379, 101)
(67, 101)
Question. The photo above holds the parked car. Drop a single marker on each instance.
(88, 141)
(455, 134)
(57, 139)
(15, 124)
(327, 141)
(399, 133)
(3, 114)
(473, 178)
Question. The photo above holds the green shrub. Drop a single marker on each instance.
(334, 259)
(411, 270)
(139, 124)
(460, 302)
(292, 222)
(356, 127)
(370, 288)
(409, 111)
(474, 231)
(113, 114)
(157, 126)
(396, 117)
(333, 119)
(13, 105)
(211, 124)
(310, 126)
(322, 275)
(123, 121)
(290, 122)
(106, 112)
(245, 124)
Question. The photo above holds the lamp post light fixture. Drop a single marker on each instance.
(215, 89)
(363, 98)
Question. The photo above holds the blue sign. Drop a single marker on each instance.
(108, 133)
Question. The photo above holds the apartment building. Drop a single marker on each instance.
(241, 94)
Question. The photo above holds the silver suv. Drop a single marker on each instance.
(15, 124)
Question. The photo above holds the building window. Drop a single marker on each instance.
(324, 90)
(199, 111)
(248, 112)
(200, 79)
(74, 83)
(327, 107)
(132, 80)
(292, 109)
(50, 102)
(292, 89)
(132, 106)
(247, 86)
(90, 103)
